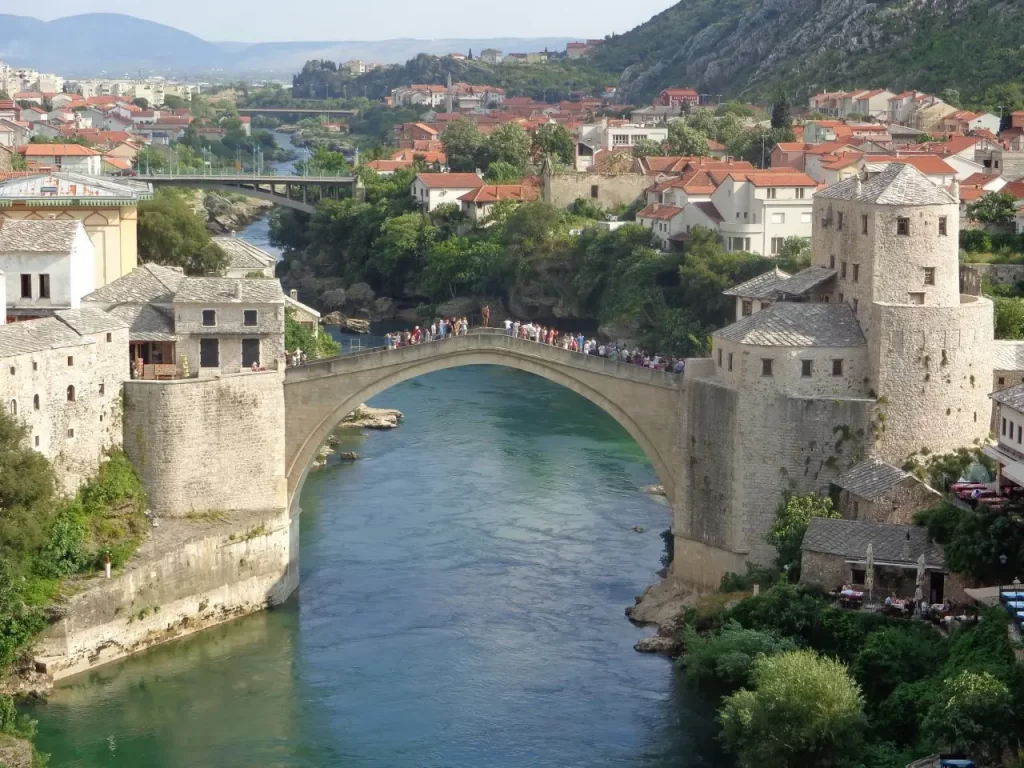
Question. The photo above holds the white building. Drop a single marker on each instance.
(48, 264)
(751, 210)
(431, 190)
(69, 158)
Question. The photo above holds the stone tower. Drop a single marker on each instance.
(449, 99)
(893, 240)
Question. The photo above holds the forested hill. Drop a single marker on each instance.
(750, 47)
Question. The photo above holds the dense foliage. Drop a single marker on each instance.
(298, 336)
(866, 689)
(791, 520)
(976, 541)
(172, 234)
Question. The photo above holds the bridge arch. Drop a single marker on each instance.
(319, 396)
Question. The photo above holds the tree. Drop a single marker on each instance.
(141, 103)
(174, 102)
(993, 208)
(298, 336)
(803, 709)
(791, 520)
(462, 141)
(500, 172)
(553, 140)
(684, 140)
(795, 254)
(170, 233)
(1009, 317)
(703, 120)
(951, 96)
(647, 148)
(453, 267)
(399, 253)
(723, 661)
(781, 111)
(509, 143)
(972, 714)
(149, 159)
(892, 657)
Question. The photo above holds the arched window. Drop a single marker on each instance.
(71, 393)
(14, 407)
(35, 402)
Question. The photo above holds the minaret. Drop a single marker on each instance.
(448, 99)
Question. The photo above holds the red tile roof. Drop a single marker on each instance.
(450, 180)
(388, 166)
(927, 164)
(659, 211)
(494, 193)
(1015, 188)
(56, 150)
(710, 210)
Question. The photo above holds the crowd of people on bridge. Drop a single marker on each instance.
(445, 328)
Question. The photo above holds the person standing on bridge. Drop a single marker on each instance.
(508, 326)
(485, 315)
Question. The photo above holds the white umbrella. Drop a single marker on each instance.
(919, 592)
(869, 574)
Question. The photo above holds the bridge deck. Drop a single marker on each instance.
(265, 179)
(484, 339)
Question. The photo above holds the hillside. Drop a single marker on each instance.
(750, 47)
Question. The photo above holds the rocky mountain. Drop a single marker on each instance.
(115, 44)
(752, 47)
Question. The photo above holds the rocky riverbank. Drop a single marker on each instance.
(15, 753)
(365, 417)
(228, 213)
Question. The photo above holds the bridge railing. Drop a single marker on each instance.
(220, 173)
(576, 359)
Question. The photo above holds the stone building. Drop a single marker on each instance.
(107, 208)
(185, 326)
(871, 351)
(62, 377)
(878, 492)
(834, 552)
(245, 259)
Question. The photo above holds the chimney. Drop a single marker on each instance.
(238, 289)
(954, 189)
(656, 206)
(294, 294)
(905, 549)
(858, 186)
(233, 233)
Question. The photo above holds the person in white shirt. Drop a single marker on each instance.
(508, 327)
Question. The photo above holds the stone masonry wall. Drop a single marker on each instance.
(822, 570)
(191, 577)
(212, 444)
(562, 189)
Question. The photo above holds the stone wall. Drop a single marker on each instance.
(822, 570)
(898, 505)
(208, 444)
(230, 330)
(190, 576)
(563, 189)
(998, 273)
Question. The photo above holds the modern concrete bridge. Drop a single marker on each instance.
(320, 394)
(289, 191)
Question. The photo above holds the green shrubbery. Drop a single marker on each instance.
(862, 689)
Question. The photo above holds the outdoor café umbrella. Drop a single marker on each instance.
(869, 574)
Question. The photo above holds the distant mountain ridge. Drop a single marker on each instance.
(116, 44)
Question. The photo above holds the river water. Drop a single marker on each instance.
(461, 605)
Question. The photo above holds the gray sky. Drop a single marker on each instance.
(266, 20)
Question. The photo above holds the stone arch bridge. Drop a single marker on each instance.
(320, 394)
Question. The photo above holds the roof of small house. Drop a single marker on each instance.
(90, 320)
(900, 544)
(788, 324)
(36, 336)
(1011, 396)
(898, 184)
(872, 478)
(228, 290)
(659, 211)
(760, 287)
(1009, 355)
(805, 280)
(145, 322)
(450, 180)
(38, 235)
(243, 255)
(146, 284)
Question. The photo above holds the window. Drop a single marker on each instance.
(35, 402)
(856, 508)
(856, 306)
(748, 307)
(841, 298)
(71, 431)
(737, 214)
(839, 220)
(595, 190)
(766, 366)
(942, 226)
(777, 245)
(26, 286)
(1002, 381)
(44, 286)
(837, 367)
(832, 261)
(1004, 427)
(771, 193)
(71, 393)
(71, 360)
(13, 370)
(902, 225)
(209, 353)
(917, 298)
(842, 271)
(620, 139)
(864, 224)
(778, 218)
(103, 388)
(250, 352)
(14, 408)
(209, 317)
(800, 193)
(858, 576)
(805, 217)
(35, 366)
(719, 358)
(856, 273)
(929, 275)
(730, 361)
(745, 214)
(249, 317)
(37, 441)
(806, 368)
(110, 337)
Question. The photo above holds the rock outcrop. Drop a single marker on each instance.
(658, 644)
(15, 753)
(350, 324)
(365, 417)
(225, 215)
